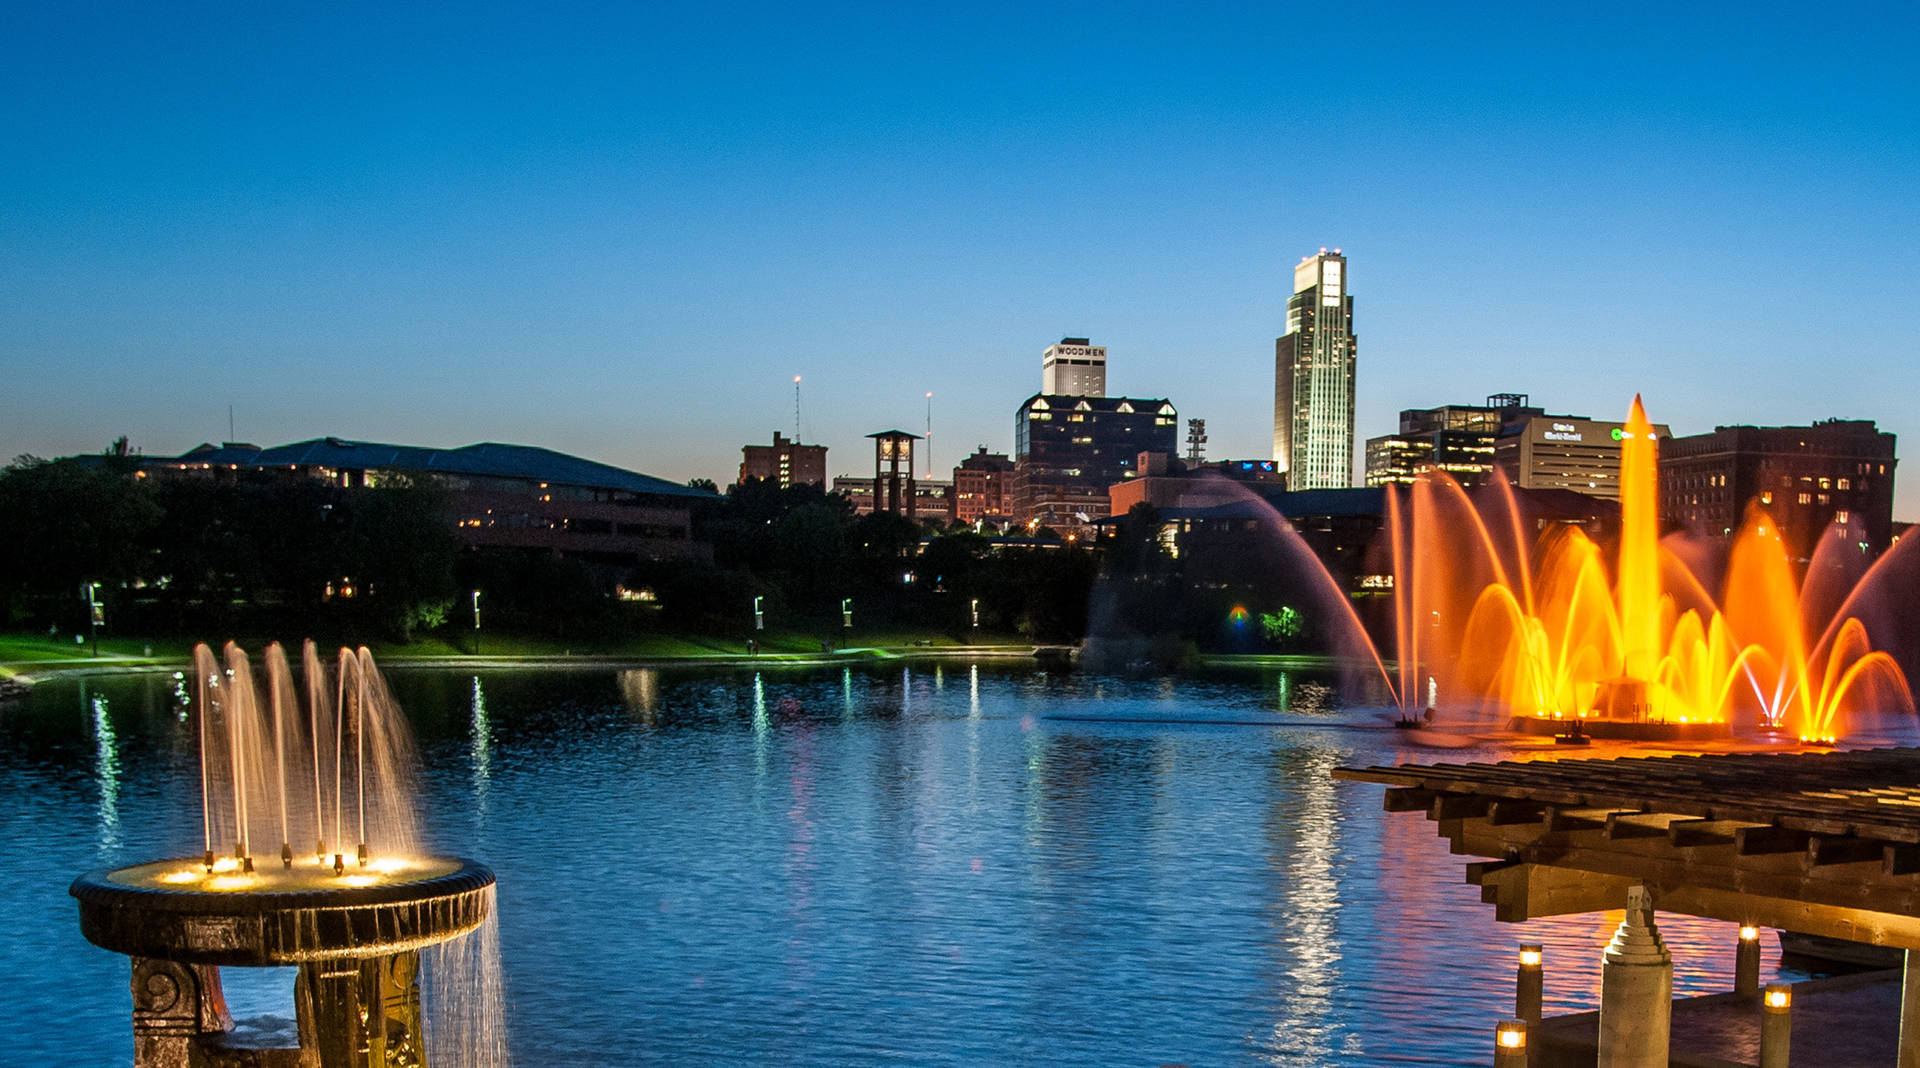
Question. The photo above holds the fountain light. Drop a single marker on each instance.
(230, 882)
(176, 877)
(359, 880)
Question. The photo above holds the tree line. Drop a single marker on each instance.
(258, 552)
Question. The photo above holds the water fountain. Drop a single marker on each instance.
(1544, 634)
(346, 897)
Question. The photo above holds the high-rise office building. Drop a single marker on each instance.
(1069, 449)
(1075, 367)
(1313, 377)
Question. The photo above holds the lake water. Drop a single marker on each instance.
(918, 865)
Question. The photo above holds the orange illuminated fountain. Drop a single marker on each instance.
(1550, 636)
(310, 859)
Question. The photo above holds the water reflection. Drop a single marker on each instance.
(106, 769)
(640, 689)
(788, 870)
(1302, 825)
(480, 749)
(761, 743)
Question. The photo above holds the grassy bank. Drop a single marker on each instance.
(31, 654)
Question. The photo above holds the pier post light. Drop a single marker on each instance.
(759, 616)
(1510, 1044)
(1776, 1025)
(1527, 984)
(1746, 962)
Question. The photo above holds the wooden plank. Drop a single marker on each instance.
(1622, 825)
(1407, 799)
(1690, 833)
(1900, 860)
(1457, 806)
(1510, 813)
(1824, 851)
(1760, 841)
(1565, 820)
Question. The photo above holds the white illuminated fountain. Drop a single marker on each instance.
(310, 859)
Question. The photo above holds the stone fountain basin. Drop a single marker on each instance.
(277, 917)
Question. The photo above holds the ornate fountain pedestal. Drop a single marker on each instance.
(355, 938)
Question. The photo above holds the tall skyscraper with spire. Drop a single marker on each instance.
(1313, 377)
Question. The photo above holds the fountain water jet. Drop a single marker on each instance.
(354, 932)
(1546, 633)
(1643, 650)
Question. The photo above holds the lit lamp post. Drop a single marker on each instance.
(976, 613)
(476, 622)
(1510, 1044)
(1746, 962)
(759, 616)
(95, 614)
(846, 613)
(1527, 984)
(1776, 1025)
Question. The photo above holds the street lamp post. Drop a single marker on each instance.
(94, 614)
(476, 622)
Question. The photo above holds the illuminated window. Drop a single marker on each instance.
(1842, 516)
(1843, 484)
(1806, 498)
(1766, 498)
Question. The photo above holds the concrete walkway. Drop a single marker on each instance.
(1849, 1021)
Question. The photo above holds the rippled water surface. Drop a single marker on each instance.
(951, 864)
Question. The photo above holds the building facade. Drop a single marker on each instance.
(500, 496)
(787, 463)
(1455, 438)
(857, 489)
(980, 486)
(1169, 482)
(1836, 474)
(1069, 449)
(1567, 452)
(1313, 367)
(1075, 367)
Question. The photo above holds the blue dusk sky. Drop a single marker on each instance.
(619, 231)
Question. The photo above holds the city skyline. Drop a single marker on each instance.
(622, 236)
